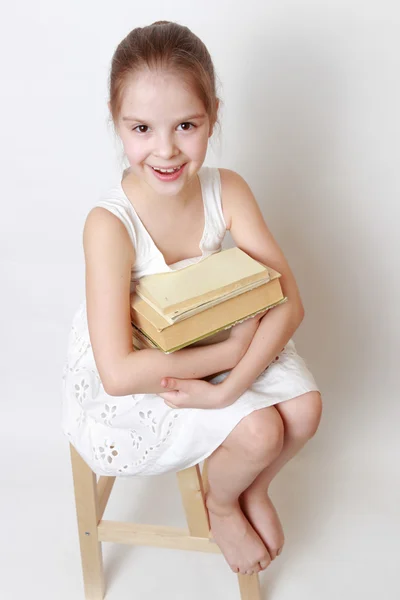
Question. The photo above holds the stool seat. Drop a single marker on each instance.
(91, 497)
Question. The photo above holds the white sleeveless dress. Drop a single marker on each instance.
(139, 434)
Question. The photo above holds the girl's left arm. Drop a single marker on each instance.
(250, 233)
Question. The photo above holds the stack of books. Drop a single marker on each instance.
(197, 304)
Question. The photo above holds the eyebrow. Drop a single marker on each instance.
(198, 116)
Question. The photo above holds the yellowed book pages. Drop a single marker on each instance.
(222, 316)
(161, 322)
(185, 314)
(141, 341)
(224, 273)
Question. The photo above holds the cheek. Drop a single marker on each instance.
(196, 148)
(134, 149)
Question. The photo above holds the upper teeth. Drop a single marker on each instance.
(167, 170)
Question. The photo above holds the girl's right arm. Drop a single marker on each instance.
(109, 257)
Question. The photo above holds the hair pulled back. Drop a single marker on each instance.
(166, 46)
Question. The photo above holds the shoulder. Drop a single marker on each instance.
(105, 232)
(235, 194)
(247, 226)
(250, 232)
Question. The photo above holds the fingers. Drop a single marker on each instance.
(170, 404)
(168, 382)
(173, 396)
(175, 384)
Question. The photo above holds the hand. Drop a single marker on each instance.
(191, 393)
(243, 333)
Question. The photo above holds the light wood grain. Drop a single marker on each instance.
(88, 512)
(91, 497)
(104, 488)
(154, 535)
(249, 587)
(191, 487)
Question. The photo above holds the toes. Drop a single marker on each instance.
(274, 552)
(256, 569)
(264, 563)
(251, 571)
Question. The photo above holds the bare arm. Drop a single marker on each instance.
(142, 372)
(145, 370)
(275, 330)
(252, 235)
(109, 256)
(250, 232)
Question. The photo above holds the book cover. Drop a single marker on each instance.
(220, 276)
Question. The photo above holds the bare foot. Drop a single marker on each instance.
(243, 549)
(262, 515)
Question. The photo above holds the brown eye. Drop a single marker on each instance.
(140, 128)
(187, 126)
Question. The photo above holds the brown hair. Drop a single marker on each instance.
(169, 46)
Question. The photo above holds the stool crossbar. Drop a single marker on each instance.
(91, 497)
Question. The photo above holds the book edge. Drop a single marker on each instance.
(211, 333)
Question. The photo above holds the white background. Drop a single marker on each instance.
(310, 118)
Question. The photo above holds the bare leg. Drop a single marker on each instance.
(301, 417)
(258, 507)
(254, 443)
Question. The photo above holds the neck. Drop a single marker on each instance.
(162, 202)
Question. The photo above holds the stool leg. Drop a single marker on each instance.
(249, 585)
(192, 492)
(87, 510)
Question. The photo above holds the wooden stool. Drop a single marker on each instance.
(91, 497)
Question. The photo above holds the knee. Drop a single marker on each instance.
(303, 418)
(263, 434)
(314, 413)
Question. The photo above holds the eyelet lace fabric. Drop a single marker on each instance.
(139, 434)
(115, 434)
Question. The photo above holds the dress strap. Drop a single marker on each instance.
(118, 207)
(210, 180)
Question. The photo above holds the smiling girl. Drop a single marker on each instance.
(143, 412)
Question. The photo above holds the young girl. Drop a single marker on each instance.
(142, 413)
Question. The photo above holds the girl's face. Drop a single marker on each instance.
(163, 124)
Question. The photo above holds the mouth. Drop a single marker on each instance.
(167, 170)
(170, 174)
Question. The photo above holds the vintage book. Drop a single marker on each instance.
(169, 338)
(141, 341)
(177, 295)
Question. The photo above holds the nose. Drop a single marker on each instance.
(165, 146)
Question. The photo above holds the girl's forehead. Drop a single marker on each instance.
(156, 87)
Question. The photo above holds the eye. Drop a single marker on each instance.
(139, 128)
(191, 125)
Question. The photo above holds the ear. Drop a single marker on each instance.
(210, 131)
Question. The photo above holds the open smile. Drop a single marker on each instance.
(171, 174)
